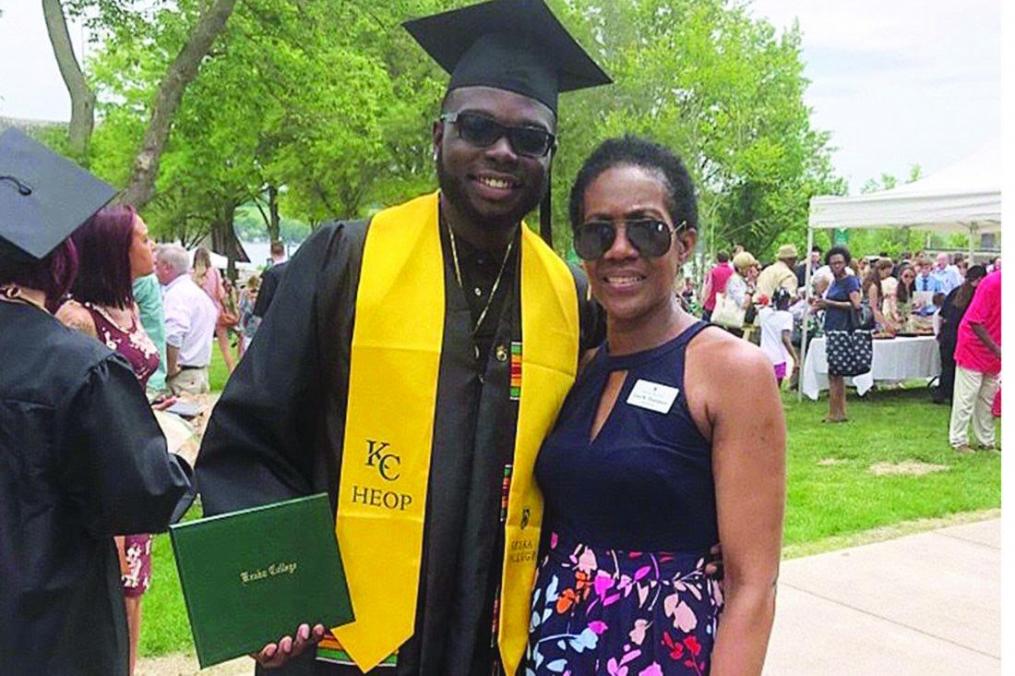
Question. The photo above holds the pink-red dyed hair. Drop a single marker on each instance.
(103, 244)
(53, 274)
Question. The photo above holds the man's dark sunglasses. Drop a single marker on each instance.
(651, 237)
(482, 131)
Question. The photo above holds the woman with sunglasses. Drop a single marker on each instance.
(671, 441)
(901, 302)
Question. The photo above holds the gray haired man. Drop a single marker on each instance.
(190, 322)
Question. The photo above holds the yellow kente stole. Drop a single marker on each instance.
(396, 354)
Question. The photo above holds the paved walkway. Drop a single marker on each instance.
(919, 605)
(923, 604)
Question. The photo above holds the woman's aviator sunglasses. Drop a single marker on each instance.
(482, 131)
(651, 237)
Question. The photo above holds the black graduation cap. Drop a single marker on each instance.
(517, 45)
(44, 198)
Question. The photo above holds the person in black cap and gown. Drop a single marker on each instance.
(71, 477)
(298, 412)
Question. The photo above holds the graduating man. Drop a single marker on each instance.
(412, 365)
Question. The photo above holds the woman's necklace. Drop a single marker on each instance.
(13, 294)
(496, 282)
(116, 316)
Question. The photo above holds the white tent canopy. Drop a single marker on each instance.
(964, 197)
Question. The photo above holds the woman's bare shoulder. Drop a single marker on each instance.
(723, 374)
(74, 315)
(717, 349)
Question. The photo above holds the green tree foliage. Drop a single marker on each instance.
(720, 88)
(126, 23)
(322, 104)
(323, 109)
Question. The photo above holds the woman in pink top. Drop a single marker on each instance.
(716, 283)
(977, 365)
(207, 277)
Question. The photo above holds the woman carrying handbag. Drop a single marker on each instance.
(731, 306)
(848, 345)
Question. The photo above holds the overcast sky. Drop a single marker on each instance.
(896, 82)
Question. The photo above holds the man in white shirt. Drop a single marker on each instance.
(190, 322)
(947, 275)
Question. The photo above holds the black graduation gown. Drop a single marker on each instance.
(277, 433)
(81, 459)
(947, 338)
(269, 285)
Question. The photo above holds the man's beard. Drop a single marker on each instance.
(454, 189)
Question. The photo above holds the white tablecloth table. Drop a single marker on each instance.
(894, 359)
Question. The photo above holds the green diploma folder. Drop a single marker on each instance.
(253, 576)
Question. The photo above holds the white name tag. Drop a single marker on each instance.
(653, 396)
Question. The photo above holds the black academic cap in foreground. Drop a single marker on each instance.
(44, 197)
(516, 45)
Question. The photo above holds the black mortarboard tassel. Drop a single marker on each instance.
(44, 198)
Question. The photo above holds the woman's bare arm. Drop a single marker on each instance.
(744, 416)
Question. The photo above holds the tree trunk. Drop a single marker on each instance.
(224, 240)
(274, 225)
(82, 99)
(181, 73)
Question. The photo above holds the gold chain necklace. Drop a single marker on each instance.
(496, 282)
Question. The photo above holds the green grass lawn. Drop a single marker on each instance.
(887, 426)
(217, 371)
(824, 501)
(164, 624)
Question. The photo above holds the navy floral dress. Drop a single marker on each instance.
(630, 517)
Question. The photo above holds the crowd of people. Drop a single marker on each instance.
(854, 300)
(596, 476)
(199, 304)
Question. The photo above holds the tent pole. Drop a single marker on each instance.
(972, 230)
(803, 329)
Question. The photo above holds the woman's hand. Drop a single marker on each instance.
(164, 402)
